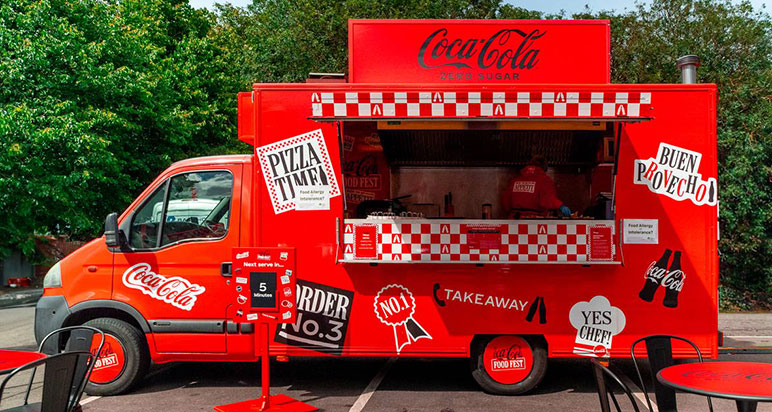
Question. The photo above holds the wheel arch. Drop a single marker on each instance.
(93, 309)
(477, 338)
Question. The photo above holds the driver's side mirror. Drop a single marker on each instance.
(113, 236)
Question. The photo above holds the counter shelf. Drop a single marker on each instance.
(420, 240)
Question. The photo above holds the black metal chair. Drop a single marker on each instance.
(58, 379)
(660, 353)
(69, 339)
(606, 380)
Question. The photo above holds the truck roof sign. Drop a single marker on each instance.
(479, 51)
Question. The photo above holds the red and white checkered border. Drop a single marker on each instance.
(445, 241)
(436, 104)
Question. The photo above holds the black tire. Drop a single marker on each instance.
(136, 361)
(489, 385)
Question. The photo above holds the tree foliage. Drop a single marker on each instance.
(96, 98)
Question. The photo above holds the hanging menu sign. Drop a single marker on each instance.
(600, 243)
(365, 241)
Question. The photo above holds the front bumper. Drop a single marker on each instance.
(50, 313)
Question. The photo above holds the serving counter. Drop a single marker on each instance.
(411, 240)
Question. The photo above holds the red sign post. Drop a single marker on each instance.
(264, 281)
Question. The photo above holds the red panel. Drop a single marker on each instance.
(246, 117)
(451, 303)
(189, 342)
(479, 51)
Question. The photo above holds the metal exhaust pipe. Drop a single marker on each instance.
(688, 65)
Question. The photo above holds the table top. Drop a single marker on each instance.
(733, 380)
(12, 359)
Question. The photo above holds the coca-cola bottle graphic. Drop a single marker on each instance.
(673, 282)
(653, 276)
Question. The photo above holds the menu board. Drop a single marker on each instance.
(483, 237)
(366, 241)
(600, 242)
(264, 282)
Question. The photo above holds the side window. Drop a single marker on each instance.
(147, 221)
(199, 206)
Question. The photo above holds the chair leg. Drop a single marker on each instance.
(660, 357)
(602, 392)
(746, 406)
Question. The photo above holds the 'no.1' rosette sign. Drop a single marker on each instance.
(394, 305)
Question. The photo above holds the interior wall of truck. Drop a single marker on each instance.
(452, 169)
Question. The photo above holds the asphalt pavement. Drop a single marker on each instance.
(379, 384)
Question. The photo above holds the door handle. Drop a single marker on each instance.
(226, 269)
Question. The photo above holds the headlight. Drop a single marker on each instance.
(53, 278)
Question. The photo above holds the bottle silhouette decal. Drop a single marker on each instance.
(654, 275)
(673, 282)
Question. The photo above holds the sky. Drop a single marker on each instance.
(553, 6)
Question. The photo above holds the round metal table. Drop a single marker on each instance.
(747, 383)
(12, 359)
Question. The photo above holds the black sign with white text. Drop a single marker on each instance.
(322, 318)
(262, 288)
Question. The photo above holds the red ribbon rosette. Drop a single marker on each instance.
(394, 305)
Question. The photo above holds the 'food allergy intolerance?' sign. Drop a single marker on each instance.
(295, 170)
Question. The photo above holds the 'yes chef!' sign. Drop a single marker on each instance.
(296, 170)
(477, 51)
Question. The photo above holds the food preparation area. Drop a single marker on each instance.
(346, 385)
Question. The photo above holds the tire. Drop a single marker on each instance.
(521, 361)
(124, 359)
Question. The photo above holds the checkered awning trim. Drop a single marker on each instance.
(482, 104)
(532, 242)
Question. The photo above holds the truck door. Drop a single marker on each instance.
(179, 238)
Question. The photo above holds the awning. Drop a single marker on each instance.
(482, 105)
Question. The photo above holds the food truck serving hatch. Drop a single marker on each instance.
(412, 238)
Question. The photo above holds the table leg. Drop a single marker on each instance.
(746, 406)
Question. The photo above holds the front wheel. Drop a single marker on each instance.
(124, 359)
(508, 364)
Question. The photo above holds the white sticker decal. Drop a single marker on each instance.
(596, 323)
(674, 174)
(241, 280)
(313, 198)
(640, 231)
(300, 162)
(177, 291)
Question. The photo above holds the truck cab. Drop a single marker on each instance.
(161, 291)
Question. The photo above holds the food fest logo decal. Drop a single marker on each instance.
(298, 166)
(507, 48)
(673, 173)
(596, 323)
(395, 306)
(176, 291)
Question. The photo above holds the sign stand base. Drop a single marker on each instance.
(266, 402)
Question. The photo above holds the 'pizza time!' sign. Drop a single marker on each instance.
(296, 166)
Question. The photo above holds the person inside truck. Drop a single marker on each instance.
(532, 192)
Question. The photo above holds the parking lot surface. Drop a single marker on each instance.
(369, 384)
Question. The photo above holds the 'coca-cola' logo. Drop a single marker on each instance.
(438, 51)
(511, 352)
(669, 279)
(174, 290)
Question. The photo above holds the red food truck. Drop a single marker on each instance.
(387, 187)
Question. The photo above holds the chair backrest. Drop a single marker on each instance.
(58, 378)
(607, 380)
(69, 339)
(659, 350)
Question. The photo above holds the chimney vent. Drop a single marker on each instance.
(688, 65)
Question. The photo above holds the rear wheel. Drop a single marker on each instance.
(123, 361)
(508, 364)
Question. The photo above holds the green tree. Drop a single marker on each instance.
(96, 98)
(735, 45)
(284, 40)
